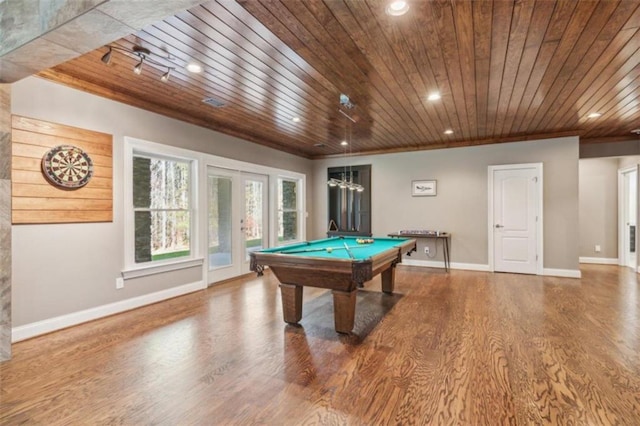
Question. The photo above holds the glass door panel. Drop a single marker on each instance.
(220, 219)
(254, 222)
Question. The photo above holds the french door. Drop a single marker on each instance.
(237, 221)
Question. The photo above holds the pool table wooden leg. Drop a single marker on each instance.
(291, 302)
(344, 310)
(388, 279)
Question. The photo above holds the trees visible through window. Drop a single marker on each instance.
(220, 221)
(162, 208)
(288, 210)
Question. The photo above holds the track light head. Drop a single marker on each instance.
(138, 68)
(106, 58)
(166, 75)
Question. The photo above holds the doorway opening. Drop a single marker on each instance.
(627, 216)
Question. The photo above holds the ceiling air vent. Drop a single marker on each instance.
(216, 103)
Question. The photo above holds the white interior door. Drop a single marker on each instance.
(630, 191)
(516, 200)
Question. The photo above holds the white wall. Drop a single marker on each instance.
(62, 269)
(461, 206)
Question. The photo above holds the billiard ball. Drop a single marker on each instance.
(329, 250)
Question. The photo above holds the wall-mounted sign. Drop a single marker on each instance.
(67, 167)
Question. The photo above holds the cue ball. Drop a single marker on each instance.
(329, 250)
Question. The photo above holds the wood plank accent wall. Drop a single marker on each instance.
(34, 199)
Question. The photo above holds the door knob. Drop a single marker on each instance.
(499, 226)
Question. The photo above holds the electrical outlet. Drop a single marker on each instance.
(119, 283)
(597, 249)
(426, 250)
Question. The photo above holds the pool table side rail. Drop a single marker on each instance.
(314, 271)
(380, 260)
(336, 243)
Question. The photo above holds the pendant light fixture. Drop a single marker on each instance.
(346, 181)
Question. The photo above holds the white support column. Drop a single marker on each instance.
(5, 222)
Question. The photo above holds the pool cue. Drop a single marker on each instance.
(301, 251)
(317, 249)
(346, 247)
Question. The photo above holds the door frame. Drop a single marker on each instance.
(539, 213)
(621, 214)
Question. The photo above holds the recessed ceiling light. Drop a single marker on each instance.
(397, 8)
(434, 96)
(296, 119)
(594, 115)
(344, 143)
(448, 132)
(194, 68)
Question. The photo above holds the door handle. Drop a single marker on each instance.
(499, 226)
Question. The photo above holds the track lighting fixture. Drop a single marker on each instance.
(143, 55)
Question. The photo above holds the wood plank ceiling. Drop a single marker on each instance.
(505, 70)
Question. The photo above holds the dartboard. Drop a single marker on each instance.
(67, 166)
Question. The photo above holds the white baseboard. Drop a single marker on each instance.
(28, 331)
(471, 267)
(599, 260)
(440, 264)
(565, 273)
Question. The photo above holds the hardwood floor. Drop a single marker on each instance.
(464, 348)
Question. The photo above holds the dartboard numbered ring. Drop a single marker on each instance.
(67, 167)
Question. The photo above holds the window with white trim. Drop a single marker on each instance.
(289, 210)
(162, 208)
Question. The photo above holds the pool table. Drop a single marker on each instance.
(340, 264)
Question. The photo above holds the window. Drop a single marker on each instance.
(166, 203)
(162, 208)
(289, 214)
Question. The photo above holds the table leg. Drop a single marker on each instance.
(344, 310)
(388, 278)
(291, 302)
(447, 261)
